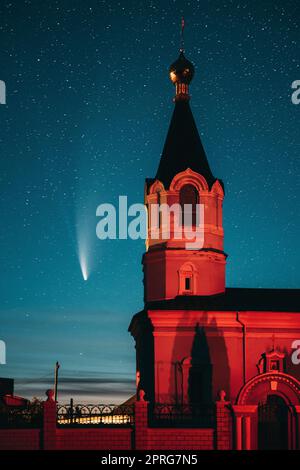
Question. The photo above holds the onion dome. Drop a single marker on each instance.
(181, 74)
(182, 70)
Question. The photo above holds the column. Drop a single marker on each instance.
(244, 419)
(238, 433)
(49, 422)
(247, 421)
(141, 422)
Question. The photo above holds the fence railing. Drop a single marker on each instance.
(182, 415)
(159, 415)
(101, 415)
(12, 417)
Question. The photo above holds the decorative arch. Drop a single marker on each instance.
(189, 177)
(266, 411)
(217, 188)
(156, 187)
(187, 281)
(259, 387)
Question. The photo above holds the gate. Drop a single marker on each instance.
(273, 423)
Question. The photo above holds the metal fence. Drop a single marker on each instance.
(159, 415)
(182, 415)
(100, 415)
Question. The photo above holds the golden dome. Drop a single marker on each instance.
(182, 70)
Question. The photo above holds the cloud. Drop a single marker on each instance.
(81, 380)
(92, 389)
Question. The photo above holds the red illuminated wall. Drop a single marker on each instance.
(141, 437)
(93, 439)
(217, 342)
(234, 428)
(19, 439)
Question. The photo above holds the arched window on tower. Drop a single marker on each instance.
(187, 280)
(189, 198)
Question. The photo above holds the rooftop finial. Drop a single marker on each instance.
(181, 72)
(181, 36)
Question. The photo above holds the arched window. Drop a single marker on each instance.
(189, 198)
(187, 282)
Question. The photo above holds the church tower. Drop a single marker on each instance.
(173, 362)
(172, 264)
(201, 347)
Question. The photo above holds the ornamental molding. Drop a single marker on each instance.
(269, 377)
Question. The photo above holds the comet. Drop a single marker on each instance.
(85, 223)
(84, 244)
(83, 264)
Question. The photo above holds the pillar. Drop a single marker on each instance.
(245, 432)
(49, 422)
(238, 433)
(141, 422)
(223, 423)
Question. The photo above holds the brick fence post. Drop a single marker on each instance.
(141, 422)
(223, 423)
(49, 422)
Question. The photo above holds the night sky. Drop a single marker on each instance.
(88, 107)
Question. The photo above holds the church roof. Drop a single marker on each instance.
(183, 147)
(237, 299)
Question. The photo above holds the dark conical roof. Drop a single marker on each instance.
(183, 147)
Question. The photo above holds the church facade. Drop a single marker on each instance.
(198, 341)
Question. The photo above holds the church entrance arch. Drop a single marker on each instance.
(267, 412)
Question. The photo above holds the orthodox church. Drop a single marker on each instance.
(197, 340)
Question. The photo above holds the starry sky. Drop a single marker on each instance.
(88, 107)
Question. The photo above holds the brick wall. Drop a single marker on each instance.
(180, 439)
(93, 439)
(143, 437)
(19, 439)
(169, 438)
